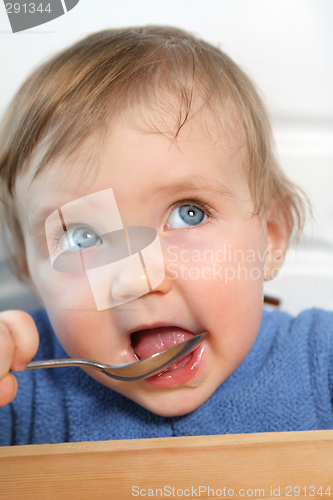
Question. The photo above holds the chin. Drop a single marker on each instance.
(178, 402)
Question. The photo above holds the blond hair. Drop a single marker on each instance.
(79, 90)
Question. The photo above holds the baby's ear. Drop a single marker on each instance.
(278, 236)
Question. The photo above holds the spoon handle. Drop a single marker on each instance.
(129, 372)
(55, 363)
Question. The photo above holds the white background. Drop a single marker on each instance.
(287, 48)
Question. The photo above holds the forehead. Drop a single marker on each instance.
(139, 154)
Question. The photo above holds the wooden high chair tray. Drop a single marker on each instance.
(283, 464)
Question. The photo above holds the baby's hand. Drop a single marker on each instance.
(18, 344)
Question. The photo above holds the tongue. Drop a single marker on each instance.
(148, 342)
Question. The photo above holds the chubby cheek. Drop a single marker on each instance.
(222, 280)
(231, 312)
(69, 303)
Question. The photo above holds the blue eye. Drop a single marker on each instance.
(80, 238)
(186, 216)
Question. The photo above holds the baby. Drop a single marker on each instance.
(146, 206)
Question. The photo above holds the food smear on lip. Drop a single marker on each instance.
(145, 343)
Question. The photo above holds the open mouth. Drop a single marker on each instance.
(147, 342)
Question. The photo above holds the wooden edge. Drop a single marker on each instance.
(167, 443)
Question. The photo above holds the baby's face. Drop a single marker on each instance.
(193, 193)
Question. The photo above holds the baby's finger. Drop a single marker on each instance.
(7, 348)
(25, 337)
(8, 389)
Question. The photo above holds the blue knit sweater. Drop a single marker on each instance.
(284, 384)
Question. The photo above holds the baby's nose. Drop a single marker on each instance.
(130, 277)
(130, 281)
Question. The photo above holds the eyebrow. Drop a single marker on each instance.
(197, 183)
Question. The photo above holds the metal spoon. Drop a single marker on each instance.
(132, 371)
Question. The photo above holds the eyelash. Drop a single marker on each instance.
(196, 201)
(55, 237)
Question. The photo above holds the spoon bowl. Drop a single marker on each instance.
(133, 371)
